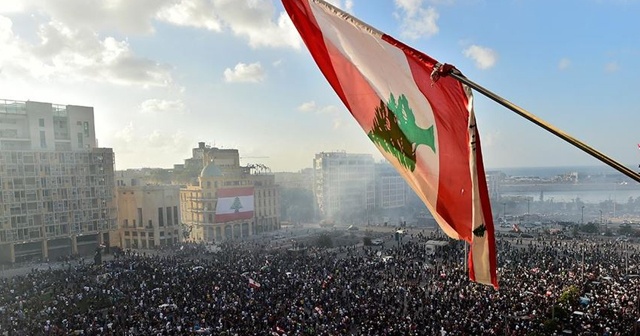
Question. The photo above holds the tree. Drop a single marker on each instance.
(366, 241)
(590, 228)
(626, 229)
(569, 294)
(324, 240)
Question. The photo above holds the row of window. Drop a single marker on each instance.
(172, 218)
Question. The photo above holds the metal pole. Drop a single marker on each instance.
(582, 219)
(545, 125)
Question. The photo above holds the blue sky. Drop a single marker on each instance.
(165, 74)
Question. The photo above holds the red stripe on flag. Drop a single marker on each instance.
(486, 211)
(305, 22)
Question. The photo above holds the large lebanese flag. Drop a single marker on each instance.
(425, 128)
(234, 204)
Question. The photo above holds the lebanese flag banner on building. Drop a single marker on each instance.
(425, 128)
(234, 204)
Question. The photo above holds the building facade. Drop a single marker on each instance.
(391, 188)
(343, 185)
(230, 201)
(148, 216)
(58, 189)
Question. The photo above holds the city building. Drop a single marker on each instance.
(57, 193)
(343, 185)
(148, 216)
(391, 188)
(302, 179)
(229, 201)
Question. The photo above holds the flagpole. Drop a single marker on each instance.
(545, 125)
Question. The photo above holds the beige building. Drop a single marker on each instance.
(230, 201)
(57, 194)
(149, 216)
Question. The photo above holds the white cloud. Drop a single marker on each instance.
(564, 64)
(130, 139)
(126, 134)
(611, 67)
(252, 73)
(131, 17)
(253, 19)
(192, 13)
(409, 6)
(346, 5)
(484, 57)
(307, 106)
(328, 112)
(71, 55)
(162, 106)
(11, 6)
(417, 21)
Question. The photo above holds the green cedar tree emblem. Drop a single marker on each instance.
(395, 131)
(237, 205)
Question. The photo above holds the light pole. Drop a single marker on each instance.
(582, 218)
(504, 211)
(528, 206)
(601, 218)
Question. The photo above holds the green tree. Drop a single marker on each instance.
(570, 294)
(324, 240)
(626, 229)
(590, 228)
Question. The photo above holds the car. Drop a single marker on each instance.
(353, 228)
(377, 241)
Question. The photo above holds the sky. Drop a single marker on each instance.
(163, 75)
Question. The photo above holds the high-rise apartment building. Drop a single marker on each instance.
(229, 201)
(57, 193)
(391, 188)
(344, 185)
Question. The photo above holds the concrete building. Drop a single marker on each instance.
(57, 193)
(391, 189)
(344, 185)
(229, 201)
(302, 179)
(148, 216)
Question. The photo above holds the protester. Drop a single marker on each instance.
(338, 291)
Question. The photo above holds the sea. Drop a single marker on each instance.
(619, 195)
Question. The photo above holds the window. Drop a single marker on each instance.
(140, 216)
(175, 215)
(169, 217)
(86, 129)
(126, 223)
(160, 217)
(43, 140)
(41, 122)
(80, 140)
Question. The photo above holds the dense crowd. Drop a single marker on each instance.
(546, 287)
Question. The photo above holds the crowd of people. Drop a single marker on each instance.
(547, 287)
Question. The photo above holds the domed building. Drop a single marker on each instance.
(230, 201)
